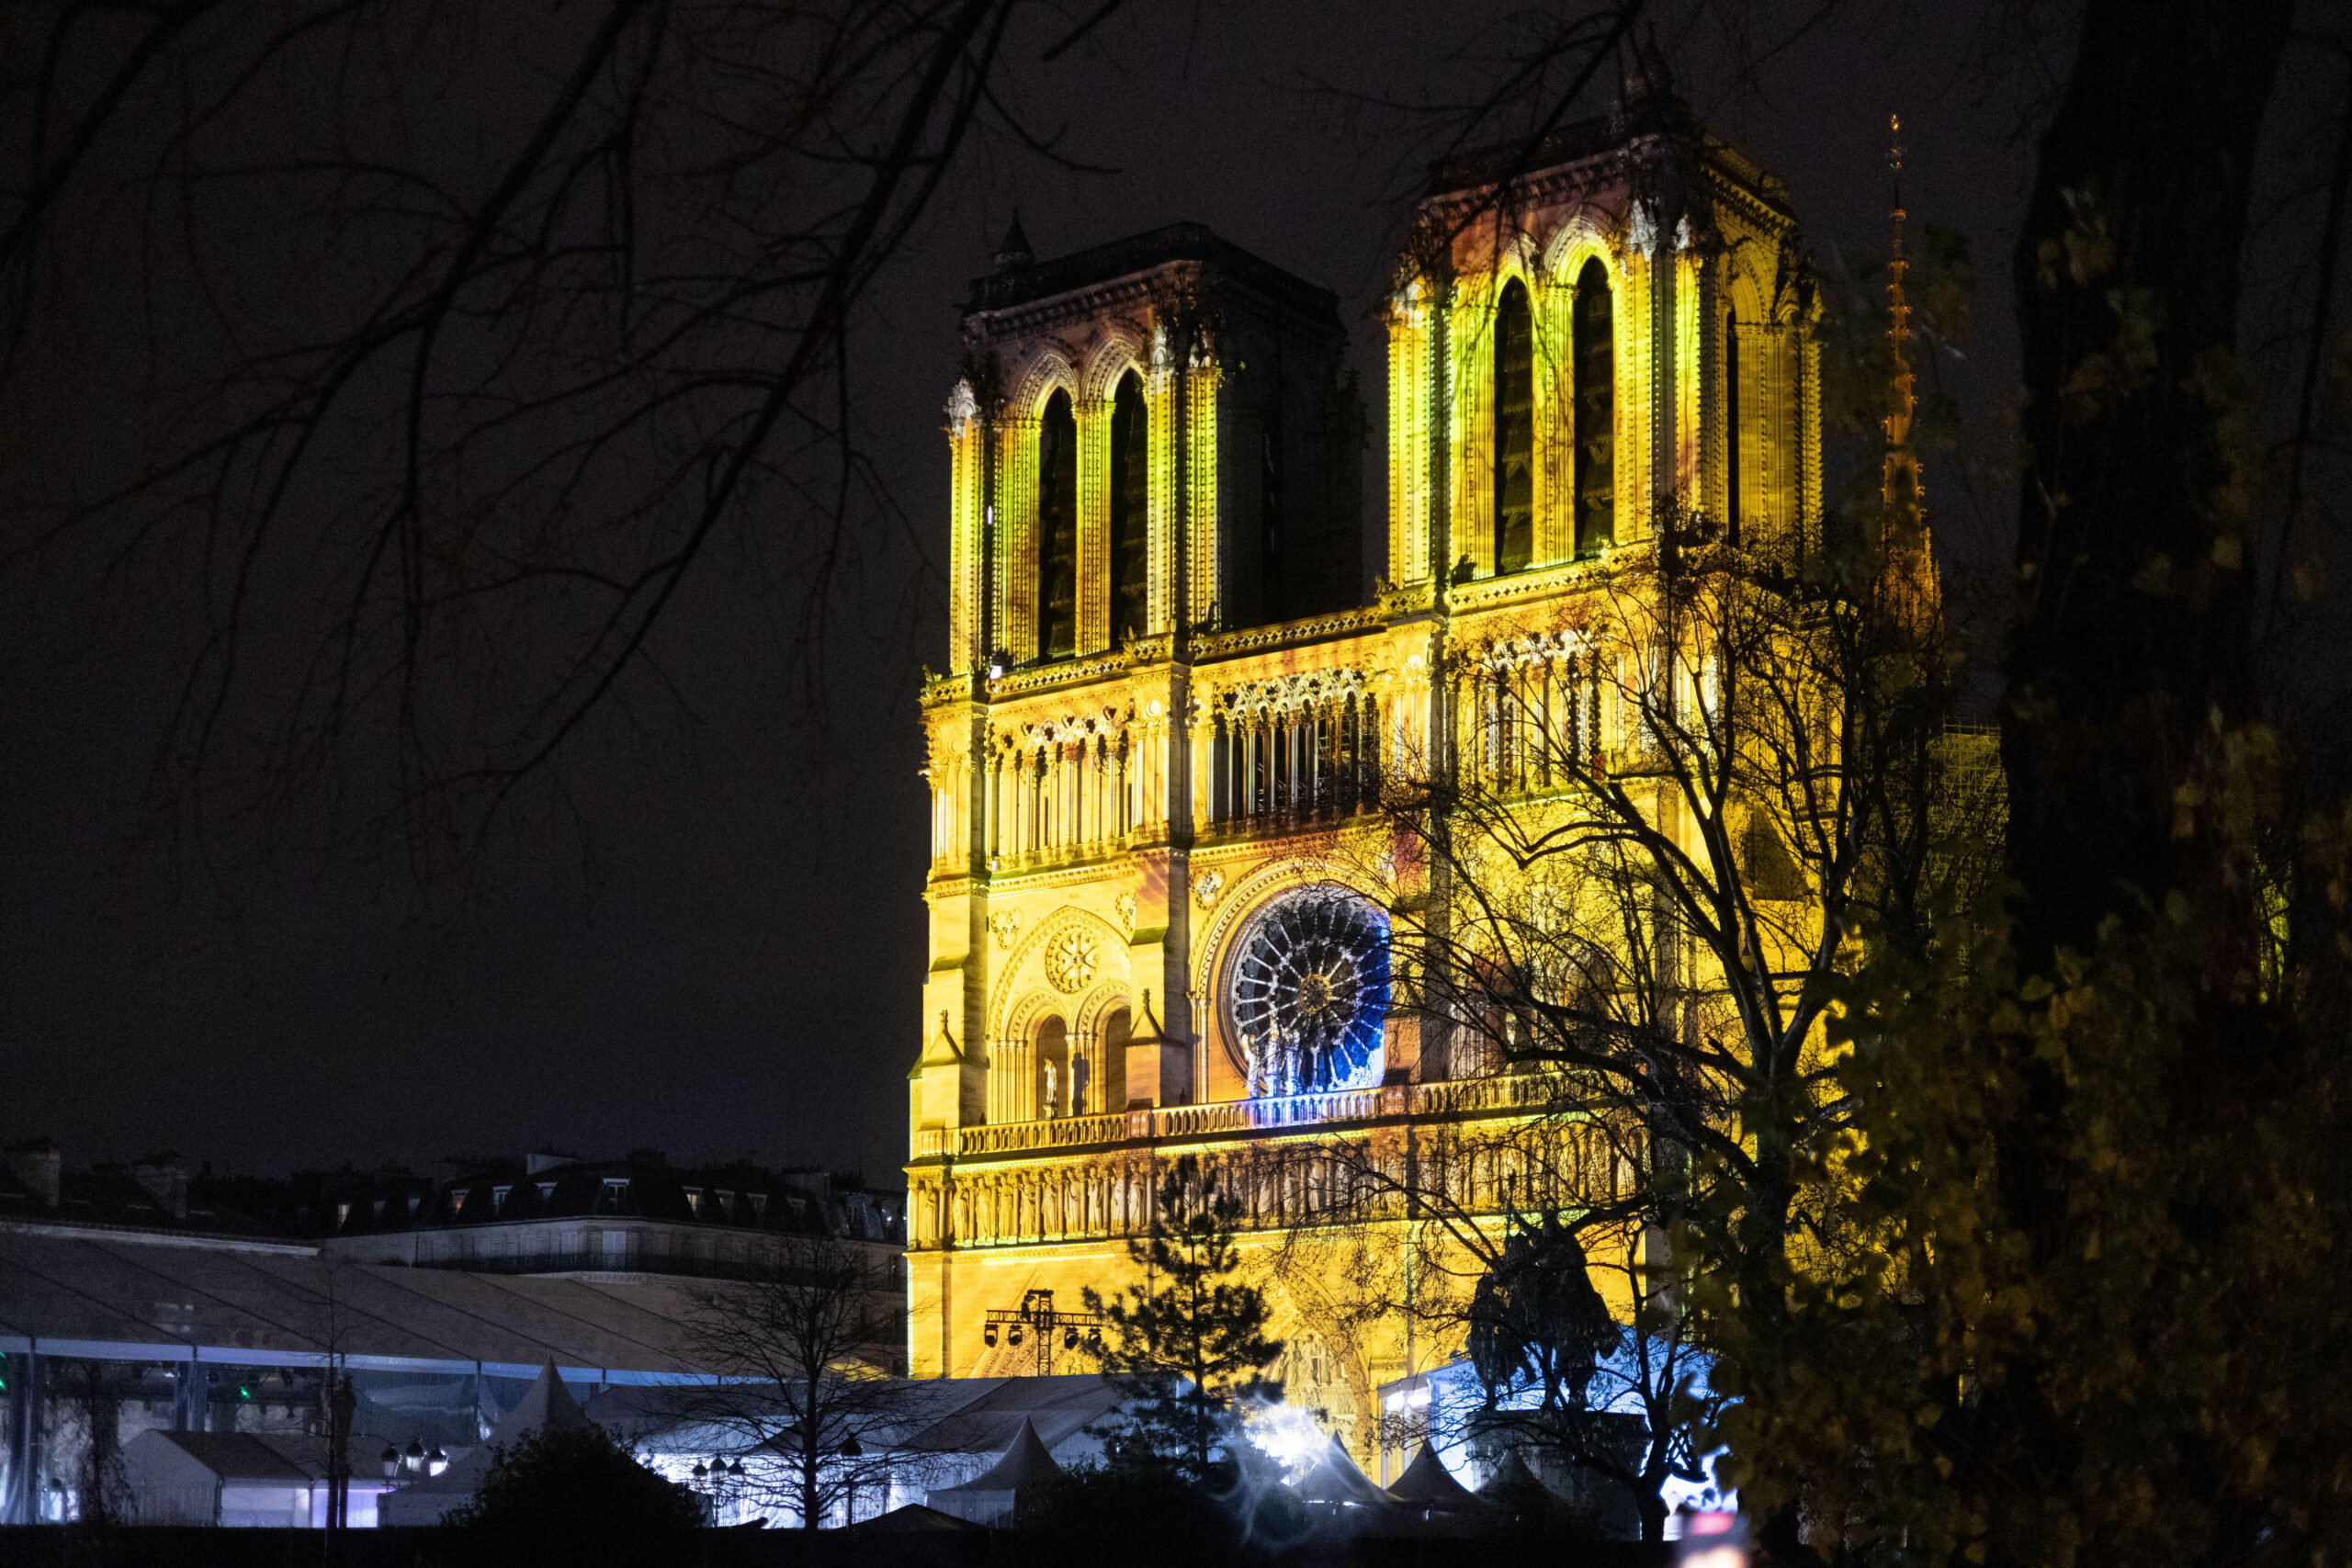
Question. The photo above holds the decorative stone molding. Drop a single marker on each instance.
(1006, 925)
(963, 408)
(1206, 888)
(1072, 958)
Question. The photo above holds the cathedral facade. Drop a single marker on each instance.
(1158, 908)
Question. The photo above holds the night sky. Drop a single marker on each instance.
(717, 953)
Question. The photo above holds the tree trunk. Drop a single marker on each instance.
(1652, 1506)
(2137, 595)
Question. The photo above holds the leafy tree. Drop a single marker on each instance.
(2091, 1300)
(1190, 1345)
(576, 1497)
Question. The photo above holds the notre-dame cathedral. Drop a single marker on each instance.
(1173, 691)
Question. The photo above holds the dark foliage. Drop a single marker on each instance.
(1158, 1518)
(575, 1498)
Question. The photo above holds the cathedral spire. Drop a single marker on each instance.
(1900, 485)
(1909, 566)
(1012, 252)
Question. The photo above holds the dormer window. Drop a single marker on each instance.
(415, 1202)
(615, 1194)
(759, 1205)
(376, 1209)
(498, 1199)
(547, 1192)
(342, 1215)
(694, 1201)
(726, 1204)
(457, 1204)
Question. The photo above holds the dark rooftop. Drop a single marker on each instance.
(1019, 284)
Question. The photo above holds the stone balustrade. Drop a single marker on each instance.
(1522, 1092)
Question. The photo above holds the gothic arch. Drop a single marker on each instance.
(1025, 978)
(1049, 373)
(1252, 893)
(1121, 351)
(1577, 241)
(1036, 1004)
(1088, 1018)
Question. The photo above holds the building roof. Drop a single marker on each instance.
(153, 1196)
(1020, 284)
(978, 1415)
(1512, 1482)
(1336, 1478)
(914, 1519)
(249, 1456)
(799, 1202)
(161, 1298)
(1425, 1481)
(1025, 1463)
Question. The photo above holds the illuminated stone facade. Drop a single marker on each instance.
(1172, 696)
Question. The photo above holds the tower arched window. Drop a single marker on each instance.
(1594, 357)
(1130, 509)
(1514, 431)
(1057, 530)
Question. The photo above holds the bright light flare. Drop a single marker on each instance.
(1289, 1436)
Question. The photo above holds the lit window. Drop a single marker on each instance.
(1514, 431)
(1595, 367)
(1130, 509)
(1057, 530)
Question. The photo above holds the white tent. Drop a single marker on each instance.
(1337, 1479)
(989, 1498)
(547, 1405)
(222, 1478)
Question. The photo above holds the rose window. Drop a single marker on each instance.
(1070, 959)
(1309, 992)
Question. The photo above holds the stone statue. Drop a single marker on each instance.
(1053, 1086)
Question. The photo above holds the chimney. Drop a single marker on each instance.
(39, 1164)
(164, 1177)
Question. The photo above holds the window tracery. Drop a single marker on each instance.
(1293, 749)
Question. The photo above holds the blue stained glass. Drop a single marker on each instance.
(1309, 992)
